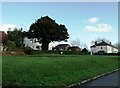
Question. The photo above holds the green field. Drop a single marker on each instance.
(54, 70)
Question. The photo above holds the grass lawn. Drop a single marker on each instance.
(53, 70)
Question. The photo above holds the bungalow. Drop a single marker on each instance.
(74, 49)
(103, 47)
(62, 47)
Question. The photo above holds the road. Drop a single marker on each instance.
(110, 80)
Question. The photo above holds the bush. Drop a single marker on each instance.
(11, 46)
(37, 52)
(85, 51)
(28, 50)
(112, 54)
(72, 53)
(78, 52)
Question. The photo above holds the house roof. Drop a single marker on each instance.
(102, 44)
(3, 36)
(74, 48)
(61, 46)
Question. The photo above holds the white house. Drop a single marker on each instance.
(103, 47)
(28, 42)
(35, 45)
(1, 47)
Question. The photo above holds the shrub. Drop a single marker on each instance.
(28, 50)
(72, 52)
(112, 54)
(11, 46)
(85, 51)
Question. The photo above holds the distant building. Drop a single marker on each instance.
(3, 39)
(35, 45)
(74, 48)
(103, 47)
(30, 43)
(63, 47)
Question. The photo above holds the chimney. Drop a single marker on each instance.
(110, 42)
(95, 42)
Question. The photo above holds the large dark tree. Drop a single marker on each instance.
(46, 30)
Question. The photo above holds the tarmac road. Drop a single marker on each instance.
(108, 81)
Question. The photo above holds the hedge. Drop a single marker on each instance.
(113, 54)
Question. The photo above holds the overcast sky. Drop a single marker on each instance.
(85, 21)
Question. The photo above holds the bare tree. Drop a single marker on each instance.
(118, 46)
(85, 46)
(78, 43)
(75, 42)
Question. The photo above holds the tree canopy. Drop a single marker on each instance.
(16, 36)
(46, 30)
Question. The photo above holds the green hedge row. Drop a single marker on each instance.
(30, 51)
(77, 53)
(34, 52)
(113, 54)
(37, 52)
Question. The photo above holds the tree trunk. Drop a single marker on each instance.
(45, 45)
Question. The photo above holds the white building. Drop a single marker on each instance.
(1, 47)
(103, 47)
(35, 45)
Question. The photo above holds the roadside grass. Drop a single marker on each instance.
(53, 70)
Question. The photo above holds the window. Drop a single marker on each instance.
(101, 47)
